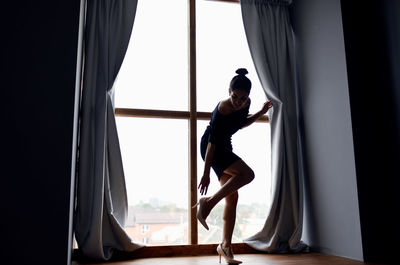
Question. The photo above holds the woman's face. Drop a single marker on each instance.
(238, 98)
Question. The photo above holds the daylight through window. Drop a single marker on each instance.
(153, 120)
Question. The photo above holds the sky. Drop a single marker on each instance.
(154, 75)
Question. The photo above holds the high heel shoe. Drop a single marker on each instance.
(199, 215)
(228, 257)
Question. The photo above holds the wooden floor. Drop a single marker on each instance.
(253, 259)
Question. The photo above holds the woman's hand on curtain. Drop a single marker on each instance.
(267, 105)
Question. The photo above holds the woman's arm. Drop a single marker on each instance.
(252, 118)
(205, 180)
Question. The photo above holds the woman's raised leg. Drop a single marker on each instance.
(241, 174)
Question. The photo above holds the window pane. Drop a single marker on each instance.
(252, 144)
(155, 160)
(221, 49)
(154, 74)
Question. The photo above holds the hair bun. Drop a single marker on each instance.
(242, 71)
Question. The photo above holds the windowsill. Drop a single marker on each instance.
(170, 251)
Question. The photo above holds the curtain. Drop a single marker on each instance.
(271, 42)
(101, 200)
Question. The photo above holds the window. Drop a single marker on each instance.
(154, 74)
(155, 151)
(156, 92)
(223, 42)
(145, 229)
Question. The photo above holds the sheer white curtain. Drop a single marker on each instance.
(270, 38)
(101, 204)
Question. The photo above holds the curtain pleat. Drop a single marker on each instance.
(101, 200)
(270, 39)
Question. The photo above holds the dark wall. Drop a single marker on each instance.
(371, 42)
(392, 33)
(38, 62)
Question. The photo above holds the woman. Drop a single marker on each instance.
(228, 117)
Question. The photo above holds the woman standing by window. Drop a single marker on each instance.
(228, 117)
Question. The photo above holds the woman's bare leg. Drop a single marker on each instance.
(241, 174)
(229, 216)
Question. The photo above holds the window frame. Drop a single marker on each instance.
(192, 115)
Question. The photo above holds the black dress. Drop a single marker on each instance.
(219, 132)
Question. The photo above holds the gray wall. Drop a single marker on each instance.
(332, 223)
